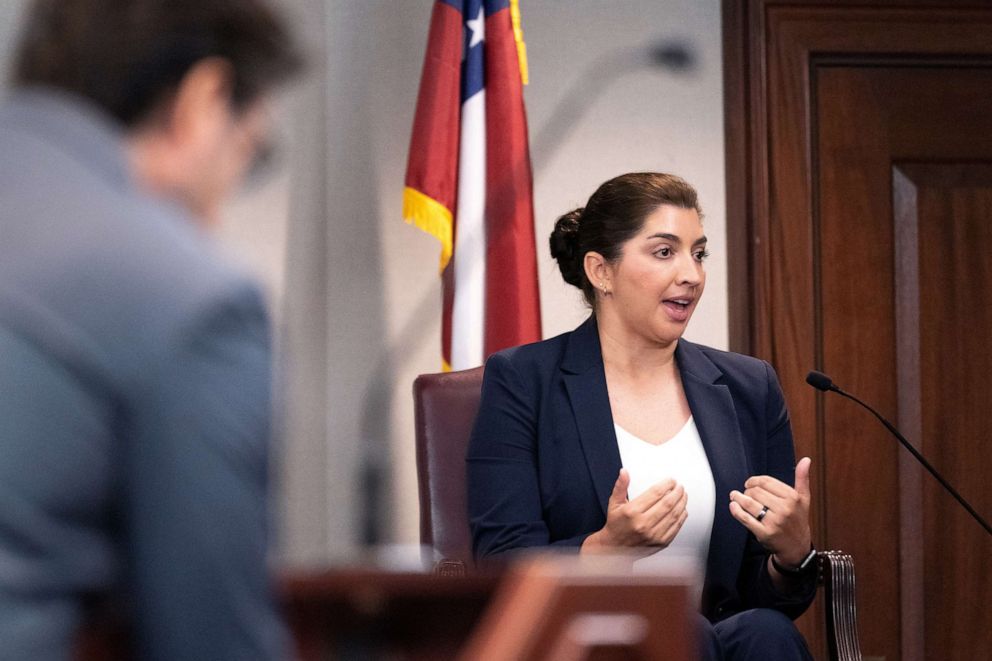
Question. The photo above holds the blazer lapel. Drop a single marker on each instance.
(585, 383)
(716, 419)
(712, 408)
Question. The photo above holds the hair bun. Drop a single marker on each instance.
(565, 248)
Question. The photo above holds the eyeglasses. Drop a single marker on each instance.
(260, 133)
(263, 163)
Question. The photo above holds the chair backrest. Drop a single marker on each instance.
(445, 409)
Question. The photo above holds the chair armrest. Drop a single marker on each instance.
(836, 575)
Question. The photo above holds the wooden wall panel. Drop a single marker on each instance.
(878, 283)
(955, 288)
(850, 114)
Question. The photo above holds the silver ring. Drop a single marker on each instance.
(762, 513)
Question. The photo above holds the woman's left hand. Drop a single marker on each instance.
(777, 514)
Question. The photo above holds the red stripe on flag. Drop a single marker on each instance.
(432, 166)
(513, 310)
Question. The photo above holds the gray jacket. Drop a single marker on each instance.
(134, 405)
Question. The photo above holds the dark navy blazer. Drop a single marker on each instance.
(543, 456)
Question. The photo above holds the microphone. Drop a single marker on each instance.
(822, 382)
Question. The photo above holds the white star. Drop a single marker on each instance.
(478, 28)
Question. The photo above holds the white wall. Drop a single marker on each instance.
(11, 12)
(597, 108)
(355, 290)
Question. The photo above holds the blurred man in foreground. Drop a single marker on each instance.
(134, 363)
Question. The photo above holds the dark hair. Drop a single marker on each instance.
(614, 214)
(128, 56)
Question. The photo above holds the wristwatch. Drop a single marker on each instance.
(804, 567)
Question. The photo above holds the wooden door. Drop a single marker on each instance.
(860, 216)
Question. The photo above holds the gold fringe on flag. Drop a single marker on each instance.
(518, 36)
(432, 217)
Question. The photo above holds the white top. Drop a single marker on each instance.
(683, 458)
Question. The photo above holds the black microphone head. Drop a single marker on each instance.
(820, 381)
(672, 55)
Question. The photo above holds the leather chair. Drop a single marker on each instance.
(445, 410)
(446, 405)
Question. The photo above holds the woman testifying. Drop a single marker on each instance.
(622, 435)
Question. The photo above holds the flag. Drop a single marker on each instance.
(468, 178)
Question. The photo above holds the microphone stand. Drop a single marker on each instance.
(828, 385)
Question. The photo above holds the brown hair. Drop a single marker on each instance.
(128, 56)
(614, 214)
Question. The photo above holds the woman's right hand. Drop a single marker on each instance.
(649, 522)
